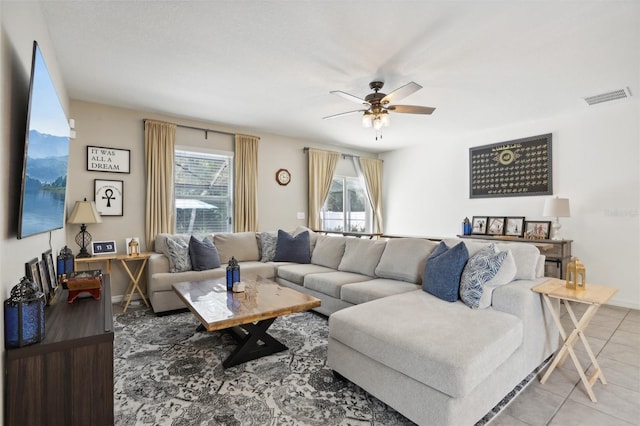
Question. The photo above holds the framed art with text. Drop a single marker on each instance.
(103, 247)
(109, 197)
(514, 168)
(101, 159)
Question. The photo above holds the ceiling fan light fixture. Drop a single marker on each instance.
(367, 119)
(386, 120)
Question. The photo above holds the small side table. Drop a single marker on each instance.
(594, 296)
(134, 276)
(106, 259)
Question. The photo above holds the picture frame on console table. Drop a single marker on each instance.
(495, 225)
(111, 160)
(537, 230)
(108, 197)
(479, 225)
(514, 226)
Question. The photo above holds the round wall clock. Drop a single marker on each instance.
(283, 177)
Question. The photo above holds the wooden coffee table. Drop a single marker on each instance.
(247, 315)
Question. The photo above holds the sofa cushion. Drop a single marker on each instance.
(367, 291)
(178, 254)
(296, 273)
(481, 267)
(404, 258)
(328, 251)
(313, 236)
(526, 257)
(241, 245)
(268, 242)
(460, 350)
(443, 270)
(505, 275)
(292, 249)
(203, 254)
(361, 256)
(330, 283)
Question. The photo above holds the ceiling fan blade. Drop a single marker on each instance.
(401, 92)
(349, 97)
(411, 109)
(343, 113)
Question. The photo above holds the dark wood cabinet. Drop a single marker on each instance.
(557, 252)
(67, 379)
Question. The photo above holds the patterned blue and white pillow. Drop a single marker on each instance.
(179, 260)
(480, 268)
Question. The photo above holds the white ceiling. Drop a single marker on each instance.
(268, 66)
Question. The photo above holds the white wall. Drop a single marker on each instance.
(595, 164)
(101, 125)
(22, 23)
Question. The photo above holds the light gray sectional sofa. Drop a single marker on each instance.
(434, 361)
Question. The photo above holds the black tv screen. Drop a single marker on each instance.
(44, 172)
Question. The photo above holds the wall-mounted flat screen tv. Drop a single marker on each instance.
(44, 172)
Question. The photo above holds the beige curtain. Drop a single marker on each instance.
(159, 144)
(322, 165)
(372, 172)
(246, 184)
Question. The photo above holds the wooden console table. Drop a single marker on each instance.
(594, 296)
(67, 379)
(557, 252)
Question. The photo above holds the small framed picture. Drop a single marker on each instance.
(495, 225)
(112, 160)
(32, 271)
(103, 247)
(514, 226)
(536, 230)
(52, 280)
(109, 197)
(479, 225)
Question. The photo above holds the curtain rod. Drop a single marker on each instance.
(306, 149)
(206, 131)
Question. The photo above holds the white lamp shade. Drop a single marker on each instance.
(556, 207)
(84, 212)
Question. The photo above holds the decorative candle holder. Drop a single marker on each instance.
(24, 315)
(576, 275)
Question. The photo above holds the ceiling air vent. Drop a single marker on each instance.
(609, 96)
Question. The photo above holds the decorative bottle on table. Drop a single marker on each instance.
(233, 273)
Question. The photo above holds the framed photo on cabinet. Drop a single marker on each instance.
(495, 225)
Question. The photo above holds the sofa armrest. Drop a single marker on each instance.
(540, 332)
(158, 262)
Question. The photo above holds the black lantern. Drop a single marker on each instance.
(24, 315)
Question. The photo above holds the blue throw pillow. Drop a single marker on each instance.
(293, 249)
(204, 254)
(480, 268)
(443, 270)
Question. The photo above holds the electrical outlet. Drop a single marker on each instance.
(300, 215)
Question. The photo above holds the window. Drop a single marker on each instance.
(203, 192)
(347, 207)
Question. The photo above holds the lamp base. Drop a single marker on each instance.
(555, 230)
(83, 239)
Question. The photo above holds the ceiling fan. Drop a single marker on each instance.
(377, 105)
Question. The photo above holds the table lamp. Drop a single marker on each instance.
(556, 207)
(84, 212)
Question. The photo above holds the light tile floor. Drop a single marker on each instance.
(614, 337)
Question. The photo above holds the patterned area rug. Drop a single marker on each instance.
(166, 373)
